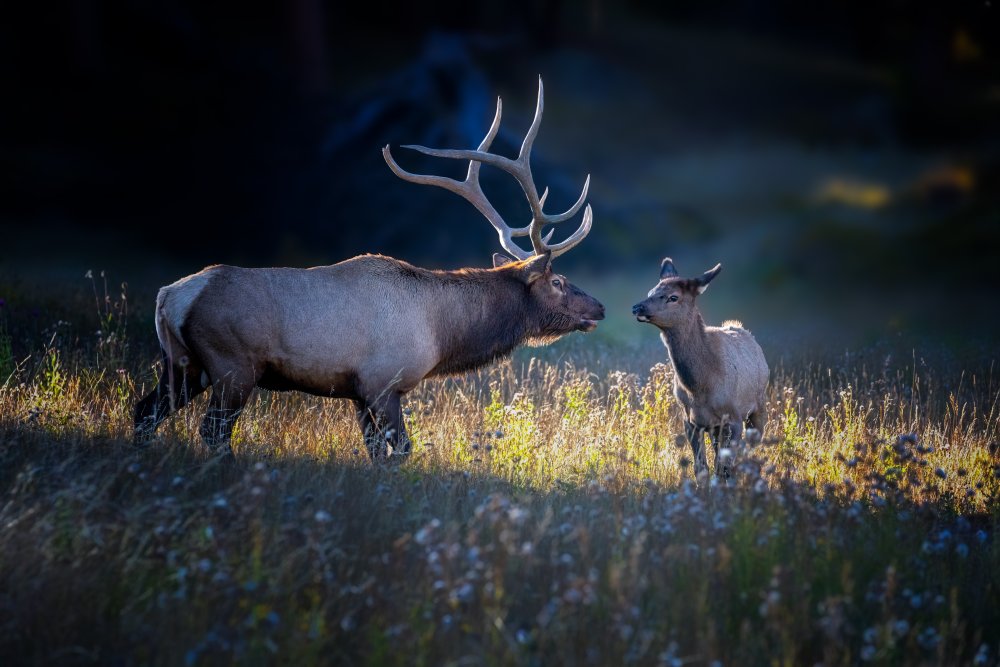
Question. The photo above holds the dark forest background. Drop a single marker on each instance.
(841, 159)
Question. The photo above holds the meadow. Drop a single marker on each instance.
(548, 515)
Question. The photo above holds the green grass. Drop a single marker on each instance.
(547, 516)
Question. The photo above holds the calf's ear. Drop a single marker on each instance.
(707, 277)
(667, 269)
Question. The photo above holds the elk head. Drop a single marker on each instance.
(672, 302)
(559, 307)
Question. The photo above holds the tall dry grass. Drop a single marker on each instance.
(547, 515)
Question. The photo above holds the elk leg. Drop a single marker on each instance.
(726, 437)
(367, 423)
(229, 396)
(714, 435)
(696, 436)
(177, 386)
(396, 436)
(381, 421)
(757, 420)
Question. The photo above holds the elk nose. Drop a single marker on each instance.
(638, 309)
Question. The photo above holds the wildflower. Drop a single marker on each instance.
(941, 473)
(464, 593)
(868, 652)
(928, 639)
(517, 514)
(962, 550)
(322, 516)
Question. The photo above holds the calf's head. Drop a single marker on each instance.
(672, 301)
(558, 307)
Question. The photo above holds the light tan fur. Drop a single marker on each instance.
(720, 373)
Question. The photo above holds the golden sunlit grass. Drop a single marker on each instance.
(548, 515)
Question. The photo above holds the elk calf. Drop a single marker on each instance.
(720, 374)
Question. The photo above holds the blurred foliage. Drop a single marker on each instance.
(816, 149)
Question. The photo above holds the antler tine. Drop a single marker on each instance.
(469, 189)
(520, 169)
(471, 192)
(572, 210)
(574, 239)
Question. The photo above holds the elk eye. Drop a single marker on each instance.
(557, 283)
(673, 297)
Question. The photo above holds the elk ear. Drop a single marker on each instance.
(707, 277)
(667, 269)
(535, 267)
(500, 259)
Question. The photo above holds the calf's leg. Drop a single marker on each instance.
(696, 436)
(728, 437)
(757, 420)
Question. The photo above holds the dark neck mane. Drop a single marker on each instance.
(481, 315)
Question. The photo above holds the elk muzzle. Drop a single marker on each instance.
(588, 322)
(641, 312)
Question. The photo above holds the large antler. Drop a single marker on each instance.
(520, 169)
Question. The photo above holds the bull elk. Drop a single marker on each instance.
(720, 374)
(370, 328)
